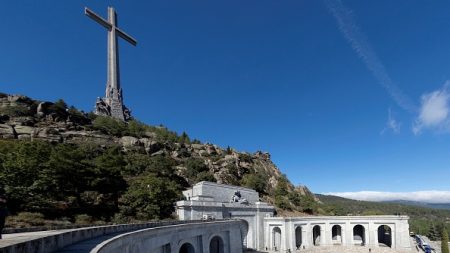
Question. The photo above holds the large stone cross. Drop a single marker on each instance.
(112, 104)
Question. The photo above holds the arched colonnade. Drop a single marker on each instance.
(315, 235)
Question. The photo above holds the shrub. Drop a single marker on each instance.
(184, 138)
(195, 141)
(15, 111)
(295, 198)
(205, 176)
(59, 108)
(109, 125)
(245, 157)
(83, 219)
(282, 202)
(77, 116)
(196, 171)
(136, 128)
(26, 219)
(282, 186)
(149, 197)
(257, 182)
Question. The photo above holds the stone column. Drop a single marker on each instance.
(344, 235)
(292, 236)
(203, 243)
(322, 235)
(373, 235)
(266, 238)
(307, 235)
(326, 234)
(394, 236)
(235, 241)
(349, 233)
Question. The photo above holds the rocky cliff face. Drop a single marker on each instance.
(23, 118)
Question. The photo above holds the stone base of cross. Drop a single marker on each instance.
(113, 108)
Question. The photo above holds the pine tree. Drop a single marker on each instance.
(433, 233)
(444, 241)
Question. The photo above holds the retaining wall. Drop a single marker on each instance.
(55, 241)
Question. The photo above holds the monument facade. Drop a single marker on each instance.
(112, 104)
(207, 200)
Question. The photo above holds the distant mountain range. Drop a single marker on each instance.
(445, 206)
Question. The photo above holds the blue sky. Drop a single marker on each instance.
(346, 95)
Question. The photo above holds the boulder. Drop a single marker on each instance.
(42, 108)
(262, 155)
(7, 132)
(203, 153)
(175, 154)
(230, 157)
(197, 146)
(161, 152)
(26, 137)
(150, 135)
(150, 145)
(211, 150)
(21, 130)
(245, 165)
(22, 120)
(130, 141)
(47, 134)
(87, 136)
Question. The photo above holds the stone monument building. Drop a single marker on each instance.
(206, 200)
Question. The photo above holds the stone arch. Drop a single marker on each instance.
(336, 234)
(243, 226)
(216, 245)
(298, 237)
(276, 239)
(359, 237)
(385, 235)
(166, 248)
(316, 235)
(187, 248)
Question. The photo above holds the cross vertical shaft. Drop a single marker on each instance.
(113, 54)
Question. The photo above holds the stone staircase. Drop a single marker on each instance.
(350, 249)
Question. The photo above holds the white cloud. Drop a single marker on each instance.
(391, 124)
(364, 50)
(434, 111)
(420, 196)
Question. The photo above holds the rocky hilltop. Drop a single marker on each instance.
(25, 119)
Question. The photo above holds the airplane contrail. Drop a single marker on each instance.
(362, 47)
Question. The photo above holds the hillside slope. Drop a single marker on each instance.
(62, 138)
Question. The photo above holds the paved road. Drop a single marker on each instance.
(87, 245)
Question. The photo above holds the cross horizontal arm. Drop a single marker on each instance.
(126, 36)
(97, 18)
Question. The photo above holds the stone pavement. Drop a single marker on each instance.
(87, 245)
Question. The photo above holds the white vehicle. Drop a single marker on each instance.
(208, 217)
